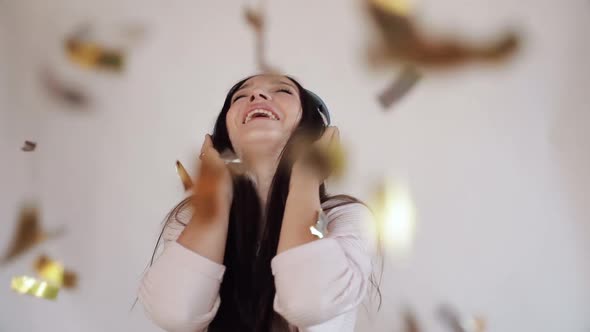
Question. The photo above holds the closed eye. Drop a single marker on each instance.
(286, 91)
(238, 97)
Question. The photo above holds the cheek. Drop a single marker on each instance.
(294, 115)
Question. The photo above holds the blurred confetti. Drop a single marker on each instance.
(474, 324)
(66, 93)
(256, 19)
(89, 54)
(402, 42)
(184, 177)
(28, 233)
(329, 161)
(94, 56)
(411, 322)
(450, 318)
(403, 84)
(34, 287)
(54, 272)
(29, 146)
(395, 218)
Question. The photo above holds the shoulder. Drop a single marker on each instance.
(176, 222)
(343, 207)
(348, 217)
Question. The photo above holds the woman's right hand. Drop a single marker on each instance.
(213, 189)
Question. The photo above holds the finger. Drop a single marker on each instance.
(204, 146)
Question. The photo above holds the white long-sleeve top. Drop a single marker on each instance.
(319, 285)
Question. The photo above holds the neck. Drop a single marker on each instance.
(261, 169)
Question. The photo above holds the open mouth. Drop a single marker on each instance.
(260, 114)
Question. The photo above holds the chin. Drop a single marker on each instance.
(264, 138)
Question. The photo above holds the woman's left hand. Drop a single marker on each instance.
(321, 160)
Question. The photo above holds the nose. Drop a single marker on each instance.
(258, 94)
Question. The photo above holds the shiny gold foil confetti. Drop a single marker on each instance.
(94, 56)
(400, 87)
(184, 177)
(28, 233)
(34, 287)
(395, 218)
(255, 18)
(402, 42)
(29, 146)
(400, 7)
(54, 272)
(49, 270)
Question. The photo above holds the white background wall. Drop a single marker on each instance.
(496, 157)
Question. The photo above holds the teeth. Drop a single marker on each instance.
(259, 111)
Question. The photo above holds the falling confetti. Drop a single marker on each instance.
(66, 93)
(395, 218)
(55, 273)
(329, 160)
(404, 82)
(94, 56)
(34, 287)
(256, 19)
(29, 146)
(450, 318)
(474, 324)
(404, 43)
(411, 322)
(28, 233)
(184, 177)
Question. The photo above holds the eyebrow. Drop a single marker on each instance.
(275, 82)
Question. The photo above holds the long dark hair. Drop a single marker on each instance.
(247, 290)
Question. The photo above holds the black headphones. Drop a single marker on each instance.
(322, 108)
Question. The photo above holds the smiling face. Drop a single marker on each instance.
(264, 112)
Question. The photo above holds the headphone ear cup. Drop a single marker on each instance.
(321, 106)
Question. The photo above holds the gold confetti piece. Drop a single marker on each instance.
(400, 7)
(256, 19)
(29, 146)
(54, 272)
(403, 42)
(93, 56)
(34, 287)
(184, 177)
(28, 233)
(66, 93)
(395, 218)
(399, 87)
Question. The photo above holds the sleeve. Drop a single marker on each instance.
(320, 280)
(180, 291)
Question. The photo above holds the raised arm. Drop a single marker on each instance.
(180, 291)
(317, 280)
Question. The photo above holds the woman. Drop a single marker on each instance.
(246, 259)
